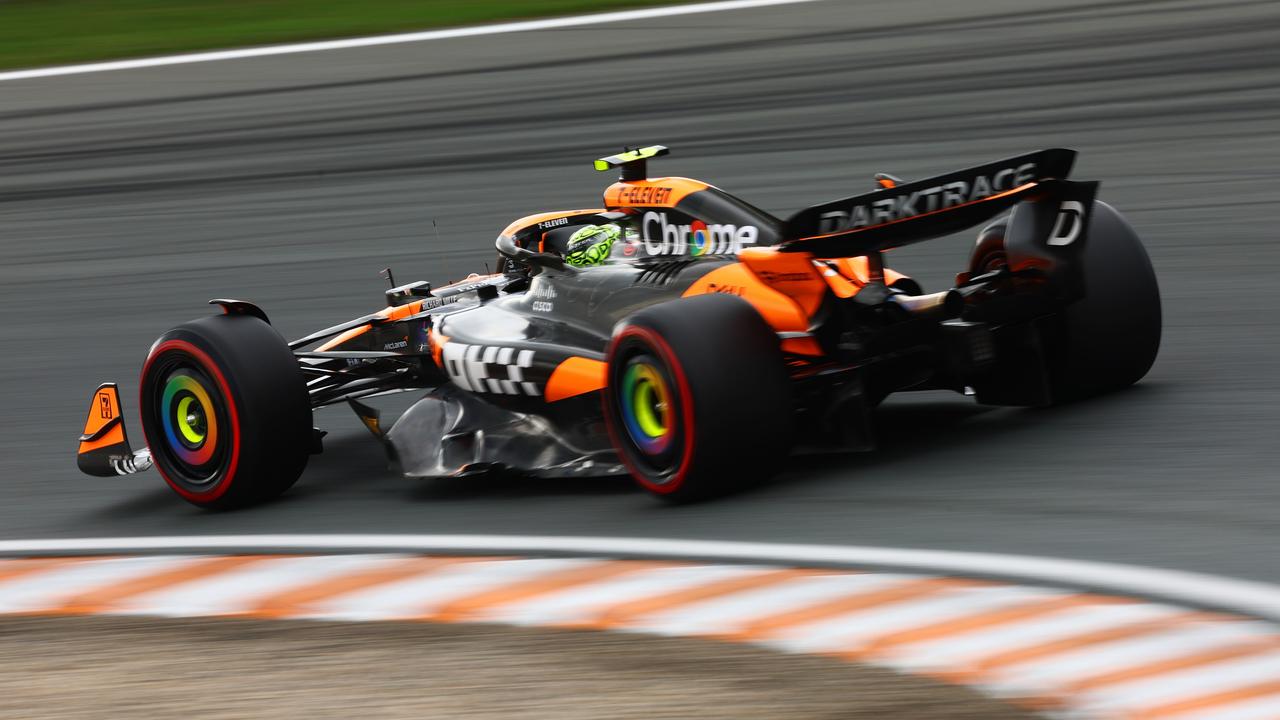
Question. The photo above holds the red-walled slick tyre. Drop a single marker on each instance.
(225, 411)
(698, 401)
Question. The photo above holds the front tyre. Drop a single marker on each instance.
(225, 411)
(698, 401)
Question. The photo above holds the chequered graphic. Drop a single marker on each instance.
(487, 368)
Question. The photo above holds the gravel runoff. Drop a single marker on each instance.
(139, 668)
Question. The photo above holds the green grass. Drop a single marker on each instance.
(34, 33)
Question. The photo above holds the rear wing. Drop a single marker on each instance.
(925, 209)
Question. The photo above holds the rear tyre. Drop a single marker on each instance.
(988, 252)
(1109, 338)
(698, 401)
(225, 411)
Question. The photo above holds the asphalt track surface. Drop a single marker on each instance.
(127, 199)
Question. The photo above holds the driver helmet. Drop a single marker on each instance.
(591, 244)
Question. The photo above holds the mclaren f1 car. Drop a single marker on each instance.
(701, 346)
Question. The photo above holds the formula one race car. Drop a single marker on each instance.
(694, 347)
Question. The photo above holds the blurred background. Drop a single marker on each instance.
(127, 199)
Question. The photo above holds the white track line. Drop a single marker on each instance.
(1248, 597)
(445, 34)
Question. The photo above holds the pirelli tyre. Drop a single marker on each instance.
(698, 401)
(1109, 338)
(225, 411)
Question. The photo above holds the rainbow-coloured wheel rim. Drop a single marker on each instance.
(189, 418)
(646, 407)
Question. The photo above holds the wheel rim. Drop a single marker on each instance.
(192, 418)
(646, 406)
(648, 414)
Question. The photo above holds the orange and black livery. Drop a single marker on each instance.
(695, 350)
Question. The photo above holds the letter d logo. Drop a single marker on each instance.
(1069, 225)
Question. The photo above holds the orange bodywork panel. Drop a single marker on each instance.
(654, 192)
(394, 313)
(787, 288)
(104, 410)
(437, 342)
(791, 273)
(846, 276)
(575, 376)
(351, 334)
(783, 312)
